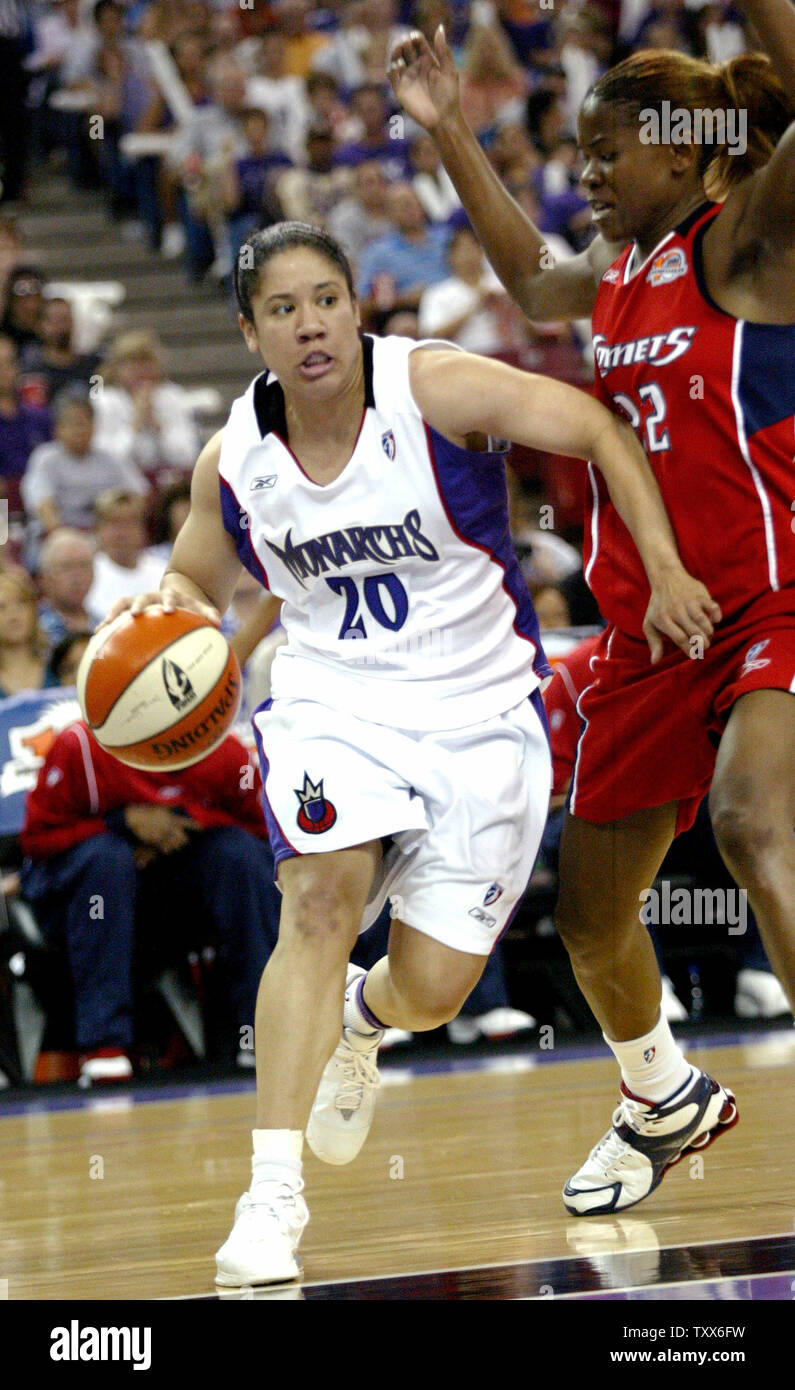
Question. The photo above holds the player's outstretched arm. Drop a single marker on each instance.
(460, 394)
(425, 82)
(766, 204)
(204, 568)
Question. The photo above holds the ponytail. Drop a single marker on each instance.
(758, 110)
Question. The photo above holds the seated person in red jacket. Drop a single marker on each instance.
(101, 836)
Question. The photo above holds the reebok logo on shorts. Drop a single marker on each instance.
(754, 661)
(316, 814)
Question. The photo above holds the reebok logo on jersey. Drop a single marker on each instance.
(668, 266)
(260, 484)
(336, 549)
(657, 351)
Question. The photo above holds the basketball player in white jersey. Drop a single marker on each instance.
(404, 752)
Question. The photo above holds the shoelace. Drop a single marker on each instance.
(278, 1202)
(360, 1071)
(612, 1149)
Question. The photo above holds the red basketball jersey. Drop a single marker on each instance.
(712, 399)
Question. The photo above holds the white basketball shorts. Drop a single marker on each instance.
(463, 810)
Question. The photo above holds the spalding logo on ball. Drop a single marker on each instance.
(159, 690)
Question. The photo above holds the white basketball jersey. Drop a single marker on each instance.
(403, 598)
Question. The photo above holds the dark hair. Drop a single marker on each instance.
(262, 246)
(648, 78)
(178, 491)
(61, 650)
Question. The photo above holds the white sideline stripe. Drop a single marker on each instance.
(742, 439)
(88, 764)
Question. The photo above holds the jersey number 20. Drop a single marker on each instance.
(353, 622)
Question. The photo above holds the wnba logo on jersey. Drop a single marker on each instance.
(667, 267)
(388, 444)
(316, 813)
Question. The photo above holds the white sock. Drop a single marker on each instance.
(277, 1155)
(355, 1013)
(652, 1067)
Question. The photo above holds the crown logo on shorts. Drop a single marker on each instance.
(316, 813)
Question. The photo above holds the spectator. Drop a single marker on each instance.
(295, 20)
(362, 216)
(65, 477)
(115, 73)
(157, 850)
(66, 573)
(470, 307)
(24, 306)
(123, 564)
(551, 607)
(364, 42)
(377, 139)
(22, 427)
(170, 514)
(281, 94)
(493, 84)
(66, 657)
(53, 359)
(23, 646)
(431, 181)
(248, 180)
(140, 417)
(399, 267)
(328, 108)
(311, 193)
(213, 135)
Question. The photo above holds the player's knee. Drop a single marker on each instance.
(431, 1004)
(310, 916)
(744, 829)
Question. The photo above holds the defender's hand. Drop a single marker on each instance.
(425, 79)
(681, 608)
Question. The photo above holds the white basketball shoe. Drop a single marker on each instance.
(343, 1110)
(646, 1140)
(263, 1244)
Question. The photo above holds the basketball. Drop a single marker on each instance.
(159, 690)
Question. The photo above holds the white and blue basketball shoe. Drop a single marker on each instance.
(343, 1110)
(646, 1140)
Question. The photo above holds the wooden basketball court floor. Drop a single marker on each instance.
(456, 1194)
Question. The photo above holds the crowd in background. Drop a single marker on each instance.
(216, 118)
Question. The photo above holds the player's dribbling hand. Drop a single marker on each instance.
(425, 79)
(168, 599)
(681, 608)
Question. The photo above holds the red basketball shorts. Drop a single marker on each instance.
(651, 733)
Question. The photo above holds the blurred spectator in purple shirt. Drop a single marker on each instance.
(22, 427)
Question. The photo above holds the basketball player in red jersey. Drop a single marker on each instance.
(693, 305)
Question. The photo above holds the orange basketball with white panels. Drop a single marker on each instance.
(159, 690)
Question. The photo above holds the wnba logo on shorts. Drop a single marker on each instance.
(316, 813)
